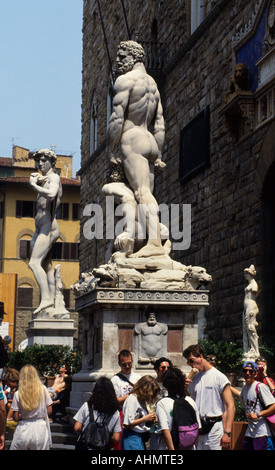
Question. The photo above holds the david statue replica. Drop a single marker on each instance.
(49, 192)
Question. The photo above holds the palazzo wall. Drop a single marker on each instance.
(225, 194)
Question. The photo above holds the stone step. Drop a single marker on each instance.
(63, 437)
(62, 447)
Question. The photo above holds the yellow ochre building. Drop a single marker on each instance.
(18, 288)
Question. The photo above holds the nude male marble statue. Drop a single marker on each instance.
(49, 191)
(137, 123)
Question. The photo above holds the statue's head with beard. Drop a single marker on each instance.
(128, 54)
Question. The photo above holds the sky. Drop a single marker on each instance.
(40, 76)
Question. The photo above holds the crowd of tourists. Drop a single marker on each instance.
(27, 406)
(164, 411)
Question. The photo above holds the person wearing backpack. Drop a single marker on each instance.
(259, 404)
(98, 420)
(177, 414)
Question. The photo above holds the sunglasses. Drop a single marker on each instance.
(249, 371)
(164, 367)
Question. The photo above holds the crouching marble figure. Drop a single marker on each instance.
(49, 192)
(151, 339)
(137, 127)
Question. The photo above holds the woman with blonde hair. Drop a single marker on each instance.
(31, 406)
(138, 416)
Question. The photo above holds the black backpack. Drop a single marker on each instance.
(185, 428)
(96, 435)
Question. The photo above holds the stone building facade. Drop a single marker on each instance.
(219, 149)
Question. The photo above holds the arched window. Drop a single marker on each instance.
(25, 247)
(197, 13)
(25, 296)
(154, 45)
(93, 127)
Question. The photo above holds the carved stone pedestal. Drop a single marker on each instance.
(109, 324)
(49, 331)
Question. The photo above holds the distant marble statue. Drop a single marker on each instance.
(152, 339)
(49, 191)
(238, 82)
(250, 336)
(136, 108)
(59, 303)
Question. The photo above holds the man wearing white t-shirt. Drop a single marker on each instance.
(124, 380)
(259, 403)
(211, 391)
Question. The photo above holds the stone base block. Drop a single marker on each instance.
(50, 331)
(110, 320)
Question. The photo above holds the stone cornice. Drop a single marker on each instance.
(142, 296)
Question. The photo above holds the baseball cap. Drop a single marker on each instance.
(251, 364)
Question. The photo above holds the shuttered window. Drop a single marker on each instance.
(25, 247)
(66, 251)
(63, 211)
(25, 209)
(24, 296)
(76, 212)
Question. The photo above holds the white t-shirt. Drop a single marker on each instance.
(37, 413)
(164, 412)
(132, 410)
(259, 427)
(122, 387)
(206, 389)
(82, 416)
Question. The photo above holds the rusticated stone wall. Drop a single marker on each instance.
(225, 199)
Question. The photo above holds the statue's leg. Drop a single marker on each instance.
(139, 175)
(40, 250)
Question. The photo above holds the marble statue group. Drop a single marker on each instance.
(134, 145)
(135, 140)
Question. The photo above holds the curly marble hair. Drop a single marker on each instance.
(44, 152)
(135, 49)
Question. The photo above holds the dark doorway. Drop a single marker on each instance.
(268, 238)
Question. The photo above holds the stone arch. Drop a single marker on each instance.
(28, 282)
(266, 158)
(77, 238)
(26, 234)
(61, 237)
(264, 188)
